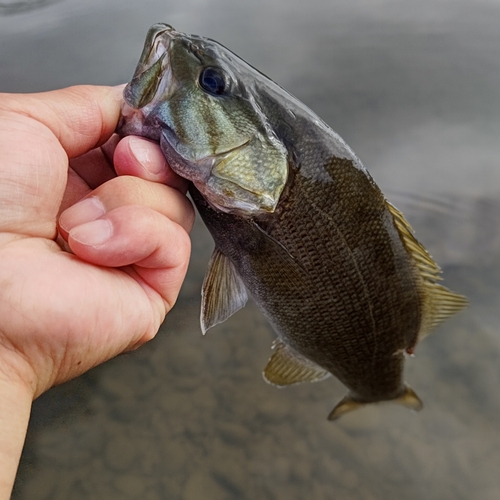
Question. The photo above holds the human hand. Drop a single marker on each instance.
(63, 313)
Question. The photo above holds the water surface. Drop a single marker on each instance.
(414, 88)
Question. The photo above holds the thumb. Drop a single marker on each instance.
(37, 134)
(81, 117)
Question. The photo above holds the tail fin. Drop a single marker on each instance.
(345, 405)
(408, 398)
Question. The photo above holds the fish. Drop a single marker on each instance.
(298, 222)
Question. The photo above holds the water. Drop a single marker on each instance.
(414, 88)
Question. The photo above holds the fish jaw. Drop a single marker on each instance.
(151, 80)
(152, 75)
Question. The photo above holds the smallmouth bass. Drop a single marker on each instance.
(298, 222)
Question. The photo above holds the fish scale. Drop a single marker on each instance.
(341, 301)
(298, 222)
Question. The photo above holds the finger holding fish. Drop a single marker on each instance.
(143, 158)
(127, 190)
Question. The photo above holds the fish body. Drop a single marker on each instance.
(298, 222)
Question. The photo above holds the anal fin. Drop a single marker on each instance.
(286, 367)
(223, 292)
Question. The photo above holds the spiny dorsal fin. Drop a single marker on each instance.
(286, 367)
(222, 293)
(439, 302)
(408, 398)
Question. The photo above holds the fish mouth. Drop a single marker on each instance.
(152, 78)
(153, 75)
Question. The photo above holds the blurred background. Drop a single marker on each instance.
(414, 88)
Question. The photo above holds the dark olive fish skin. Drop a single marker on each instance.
(297, 221)
(345, 300)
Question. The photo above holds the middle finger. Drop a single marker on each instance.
(128, 190)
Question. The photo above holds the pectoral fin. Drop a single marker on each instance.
(408, 398)
(287, 367)
(222, 293)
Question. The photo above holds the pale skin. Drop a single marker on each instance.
(94, 246)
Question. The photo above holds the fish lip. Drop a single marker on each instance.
(131, 120)
(153, 75)
(136, 121)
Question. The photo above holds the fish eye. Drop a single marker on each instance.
(214, 81)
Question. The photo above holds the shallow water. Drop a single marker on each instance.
(414, 88)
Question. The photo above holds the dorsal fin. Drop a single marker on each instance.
(439, 302)
(423, 260)
(286, 367)
(222, 293)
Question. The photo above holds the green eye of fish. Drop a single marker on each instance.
(214, 81)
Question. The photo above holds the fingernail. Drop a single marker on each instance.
(93, 233)
(148, 155)
(84, 211)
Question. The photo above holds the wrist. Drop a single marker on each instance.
(15, 407)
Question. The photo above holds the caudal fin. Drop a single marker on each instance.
(408, 398)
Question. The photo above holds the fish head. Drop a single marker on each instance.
(198, 100)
